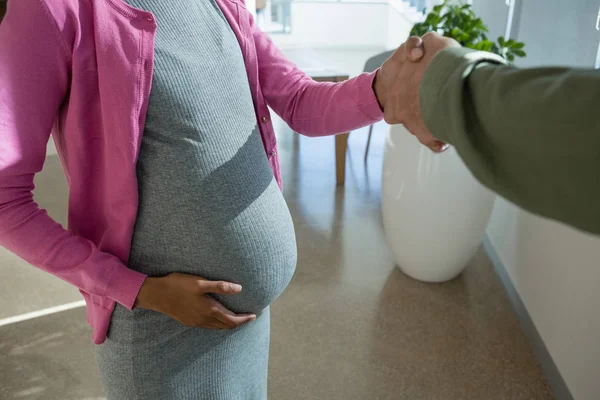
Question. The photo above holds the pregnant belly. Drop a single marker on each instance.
(262, 263)
(249, 242)
(257, 251)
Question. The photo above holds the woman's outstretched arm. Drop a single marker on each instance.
(312, 108)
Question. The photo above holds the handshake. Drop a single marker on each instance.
(398, 80)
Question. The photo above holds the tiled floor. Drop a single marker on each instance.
(349, 327)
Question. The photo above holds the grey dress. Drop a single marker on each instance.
(209, 206)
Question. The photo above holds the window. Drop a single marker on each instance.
(274, 16)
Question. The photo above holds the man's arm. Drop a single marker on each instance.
(531, 135)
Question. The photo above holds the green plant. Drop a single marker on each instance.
(459, 22)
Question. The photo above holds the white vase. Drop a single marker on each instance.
(434, 211)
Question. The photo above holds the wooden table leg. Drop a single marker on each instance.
(341, 146)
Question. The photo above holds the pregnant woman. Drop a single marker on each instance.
(179, 237)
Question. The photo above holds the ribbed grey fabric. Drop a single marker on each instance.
(209, 206)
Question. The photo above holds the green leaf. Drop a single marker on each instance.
(444, 19)
(460, 22)
(420, 29)
(484, 45)
(432, 19)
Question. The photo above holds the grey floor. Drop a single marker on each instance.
(349, 327)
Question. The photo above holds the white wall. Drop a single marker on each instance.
(337, 25)
(556, 271)
(399, 25)
(251, 5)
(350, 25)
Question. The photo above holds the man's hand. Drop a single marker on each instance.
(186, 299)
(402, 95)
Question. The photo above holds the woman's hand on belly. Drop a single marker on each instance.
(186, 299)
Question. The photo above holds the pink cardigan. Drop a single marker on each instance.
(82, 69)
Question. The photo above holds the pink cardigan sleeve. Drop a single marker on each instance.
(312, 108)
(34, 79)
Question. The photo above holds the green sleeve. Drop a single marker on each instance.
(531, 135)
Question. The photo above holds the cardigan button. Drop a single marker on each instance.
(265, 119)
